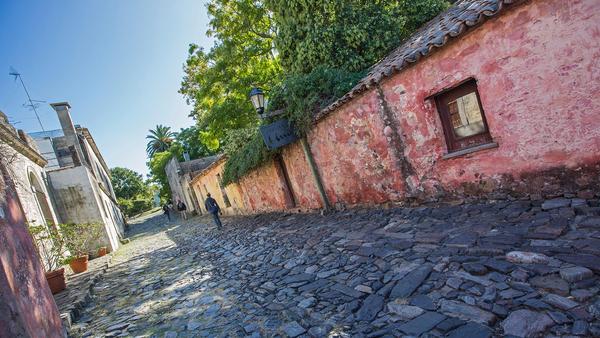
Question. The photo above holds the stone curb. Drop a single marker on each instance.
(75, 308)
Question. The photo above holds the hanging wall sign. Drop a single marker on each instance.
(278, 134)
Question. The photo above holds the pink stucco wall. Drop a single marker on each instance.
(353, 155)
(537, 67)
(301, 180)
(27, 308)
(263, 189)
(538, 73)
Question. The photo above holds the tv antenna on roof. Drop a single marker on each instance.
(33, 104)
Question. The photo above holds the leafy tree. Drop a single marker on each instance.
(303, 95)
(160, 139)
(134, 195)
(217, 82)
(127, 183)
(347, 34)
(194, 144)
(157, 165)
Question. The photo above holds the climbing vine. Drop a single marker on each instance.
(246, 151)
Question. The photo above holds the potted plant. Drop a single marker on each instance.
(78, 238)
(50, 249)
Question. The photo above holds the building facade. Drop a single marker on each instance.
(79, 177)
(180, 175)
(26, 303)
(25, 166)
(490, 99)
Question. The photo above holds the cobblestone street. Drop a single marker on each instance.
(517, 268)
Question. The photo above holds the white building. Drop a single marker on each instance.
(79, 177)
(25, 165)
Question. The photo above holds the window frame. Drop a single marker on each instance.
(454, 143)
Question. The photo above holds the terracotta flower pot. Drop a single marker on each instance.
(102, 251)
(79, 264)
(56, 280)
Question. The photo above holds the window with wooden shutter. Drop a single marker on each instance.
(462, 117)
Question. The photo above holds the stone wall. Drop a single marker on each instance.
(26, 304)
(537, 74)
(536, 68)
(208, 182)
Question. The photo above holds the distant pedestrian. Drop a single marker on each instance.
(213, 207)
(182, 208)
(166, 211)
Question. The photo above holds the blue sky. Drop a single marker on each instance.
(118, 63)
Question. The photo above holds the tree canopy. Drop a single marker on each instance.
(344, 34)
(127, 183)
(134, 195)
(193, 143)
(217, 82)
(157, 165)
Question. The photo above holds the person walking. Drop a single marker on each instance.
(166, 211)
(213, 207)
(182, 208)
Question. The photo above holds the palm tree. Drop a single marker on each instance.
(160, 139)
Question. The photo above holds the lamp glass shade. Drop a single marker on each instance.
(258, 99)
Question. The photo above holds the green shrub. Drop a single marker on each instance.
(80, 238)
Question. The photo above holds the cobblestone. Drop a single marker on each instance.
(430, 271)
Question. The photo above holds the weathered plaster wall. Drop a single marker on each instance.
(208, 182)
(302, 182)
(20, 168)
(105, 195)
(538, 73)
(80, 200)
(101, 175)
(537, 67)
(179, 184)
(173, 178)
(26, 304)
(353, 156)
(264, 189)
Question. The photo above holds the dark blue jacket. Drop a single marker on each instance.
(211, 205)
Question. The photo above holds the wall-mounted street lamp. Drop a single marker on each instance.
(257, 96)
(280, 133)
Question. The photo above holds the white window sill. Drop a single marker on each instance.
(470, 150)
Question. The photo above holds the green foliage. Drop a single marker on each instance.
(127, 183)
(246, 151)
(157, 165)
(301, 96)
(48, 244)
(132, 207)
(80, 238)
(160, 139)
(344, 34)
(134, 195)
(217, 82)
(325, 46)
(193, 142)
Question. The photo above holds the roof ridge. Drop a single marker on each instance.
(436, 33)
